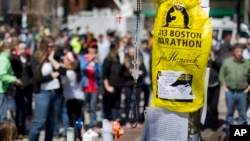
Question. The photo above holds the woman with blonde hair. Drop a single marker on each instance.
(6, 78)
(47, 91)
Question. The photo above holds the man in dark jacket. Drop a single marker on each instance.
(213, 92)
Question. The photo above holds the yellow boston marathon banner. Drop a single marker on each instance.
(181, 47)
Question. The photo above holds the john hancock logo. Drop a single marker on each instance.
(177, 17)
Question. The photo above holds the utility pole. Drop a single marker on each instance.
(53, 16)
(4, 10)
(65, 5)
(246, 11)
(60, 10)
(57, 10)
(238, 15)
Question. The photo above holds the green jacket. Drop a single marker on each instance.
(6, 76)
(235, 74)
(76, 45)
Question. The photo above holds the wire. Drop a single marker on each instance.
(134, 113)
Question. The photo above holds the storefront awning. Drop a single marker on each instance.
(212, 13)
(223, 12)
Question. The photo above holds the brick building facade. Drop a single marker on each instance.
(74, 6)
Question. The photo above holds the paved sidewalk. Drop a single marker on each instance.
(208, 134)
(134, 134)
(130, 134)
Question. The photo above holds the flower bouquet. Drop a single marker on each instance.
(117, 130)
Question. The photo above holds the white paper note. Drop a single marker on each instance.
(174, 85)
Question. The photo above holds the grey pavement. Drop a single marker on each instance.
(135, 134)
(210, 135)
(129, 134)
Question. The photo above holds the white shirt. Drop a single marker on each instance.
(47, 69)
(71, 88)
(146, 62)
(246, 54)
(103, 49)
(121, 53)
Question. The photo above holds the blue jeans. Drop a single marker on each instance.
(235, 99)
(128, 99)
(3, 107)
(44, 114)
(65, 117)
(146, 88)
(91, 99)
(22, 99)
(58, 114)
(11, 107)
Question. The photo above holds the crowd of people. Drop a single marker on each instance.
(50, 81)
(229, 73)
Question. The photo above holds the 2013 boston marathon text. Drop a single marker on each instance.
(179, 38)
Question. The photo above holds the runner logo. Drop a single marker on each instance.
(177, 17)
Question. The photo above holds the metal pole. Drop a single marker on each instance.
(194, 117)
(238, 15)
(65, 4)
(4, 9)
(54, 17)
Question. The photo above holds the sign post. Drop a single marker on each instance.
(194, 118)
(181, 46)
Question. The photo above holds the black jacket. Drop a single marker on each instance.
(214, 72)
(38, 77)
(112, 70)
(22, 70)
(128, 78)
